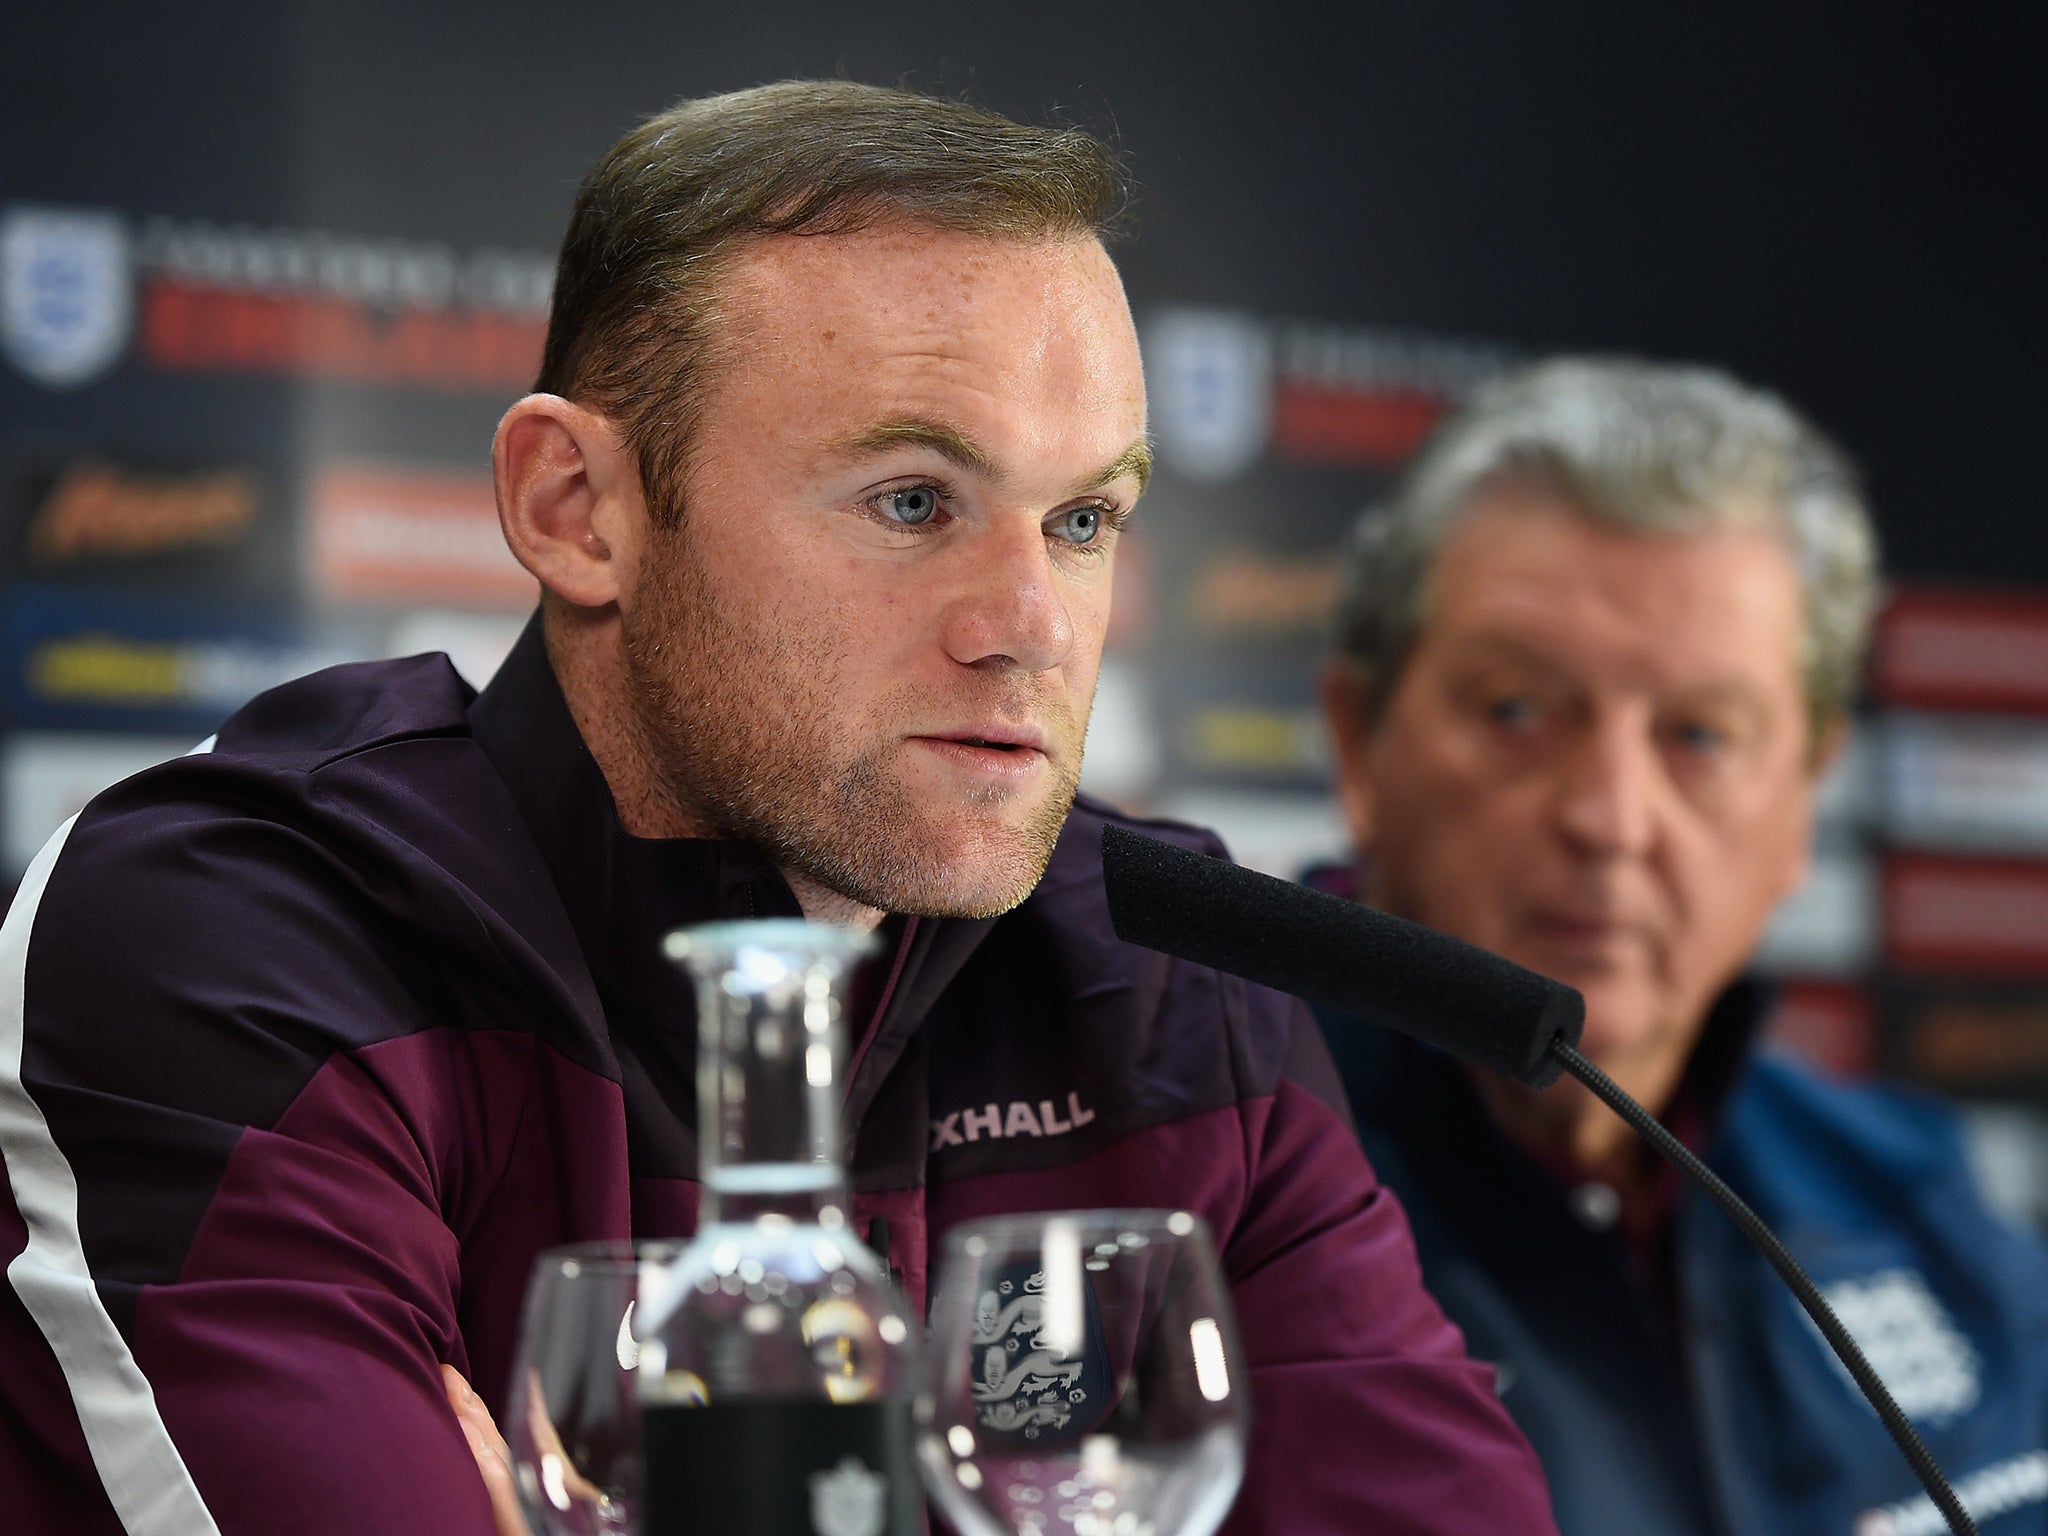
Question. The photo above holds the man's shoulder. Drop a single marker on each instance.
(1787, 1113)
(340, 853)
(292, 754)
(356, 786)
(330, 715)
(1860, 1159)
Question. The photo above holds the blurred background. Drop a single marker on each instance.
(269, 274)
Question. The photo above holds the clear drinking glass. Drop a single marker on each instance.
(573, 1421)
(1082, 1376)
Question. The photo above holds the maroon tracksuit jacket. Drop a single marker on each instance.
(309, 1043)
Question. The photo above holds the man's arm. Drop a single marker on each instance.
(1367, 1415)
(238, 1118)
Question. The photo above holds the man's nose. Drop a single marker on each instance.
(1010, 609)
(1609, 789)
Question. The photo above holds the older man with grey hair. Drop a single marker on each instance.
(1591, 659)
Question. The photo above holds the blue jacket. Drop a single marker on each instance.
(1721, 1411)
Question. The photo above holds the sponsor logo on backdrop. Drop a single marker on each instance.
(99, 659)
(1963, 650)
(66, 292)
(1227, 386)
(1970, 1036)
(1962, 782)
(98, 510)
(384, 533)
(1240, 593)
(235, 298)
(1961, 915)
(1210, 375)
(1368, 397)
(125, 672)
(310, 304)
(1256, 740)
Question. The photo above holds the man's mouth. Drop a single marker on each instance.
(1586, 936)
(996, 737)
(1010, 752)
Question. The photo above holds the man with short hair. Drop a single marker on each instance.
(313, 1040)
(1591, 658)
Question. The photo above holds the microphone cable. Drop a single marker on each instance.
(1765, 1241)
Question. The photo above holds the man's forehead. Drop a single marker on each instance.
(906, 297)
(1550, 582)
(974, 348)
(906, 264)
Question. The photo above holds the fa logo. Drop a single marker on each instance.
(66, 294)
(1211, 374)
(1930, 1367)
(849, 1500)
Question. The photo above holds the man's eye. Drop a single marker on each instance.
(1079, 526)
(1698, 736)
(912, 505)
(1515, 713)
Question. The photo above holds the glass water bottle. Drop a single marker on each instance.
(776, 1368)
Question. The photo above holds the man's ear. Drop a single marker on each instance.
(1831, 739)
(1343, 688)
(569, 498)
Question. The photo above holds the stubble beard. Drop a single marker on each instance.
(733, 723)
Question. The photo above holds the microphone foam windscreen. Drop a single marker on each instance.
(1456, 996)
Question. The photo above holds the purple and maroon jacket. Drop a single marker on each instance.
(310, 1042)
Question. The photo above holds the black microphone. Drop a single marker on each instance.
(1460, 998)
(1456, 996)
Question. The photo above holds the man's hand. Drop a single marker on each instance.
(493, 1456)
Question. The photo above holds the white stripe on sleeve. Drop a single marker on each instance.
(146, 1479)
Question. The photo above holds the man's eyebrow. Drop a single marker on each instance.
(1492, 647)
(956, 448)
(949, 443)
(1135, 462)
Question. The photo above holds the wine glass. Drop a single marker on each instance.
(658, 1384)
(1083, 1376)
(573, 1416)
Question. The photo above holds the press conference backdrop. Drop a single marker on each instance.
(267, 282)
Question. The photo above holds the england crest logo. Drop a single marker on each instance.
(1031, 1385)
(849, 1500)
(1210, 373)
(67, 295)
(1933, 1371)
